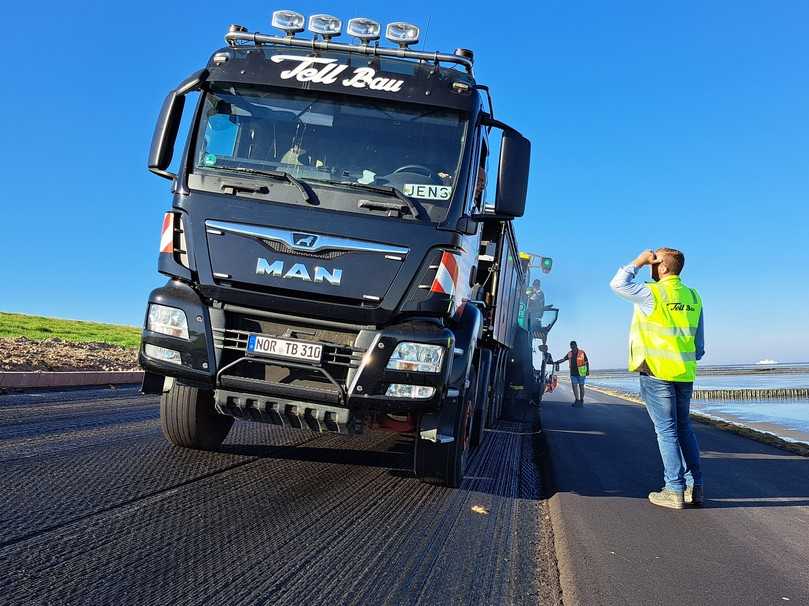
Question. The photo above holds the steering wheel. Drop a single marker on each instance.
(408, 168)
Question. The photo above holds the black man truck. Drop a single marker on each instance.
(332, 263)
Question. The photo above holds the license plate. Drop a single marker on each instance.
(260, 345)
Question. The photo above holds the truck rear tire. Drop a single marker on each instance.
(539, 385)
(497, 389)
(446, 463)
(188, 418)
(482, 399)
(540, 392)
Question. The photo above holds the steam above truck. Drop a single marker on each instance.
(333, 264)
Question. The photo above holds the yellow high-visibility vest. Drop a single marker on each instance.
(665, 339)
(581, 363)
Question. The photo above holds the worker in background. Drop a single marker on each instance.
(536, 302)
(665, 341)
(579, 369)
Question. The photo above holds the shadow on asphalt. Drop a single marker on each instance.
(610, 450)
(396, 456)
(782, 471)
(506, 464)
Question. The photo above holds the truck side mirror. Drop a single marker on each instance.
(512, 174)
(165, 134)
(512, 171)
(168, 124)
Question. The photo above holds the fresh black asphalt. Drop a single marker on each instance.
(97, 508)
(748, 545)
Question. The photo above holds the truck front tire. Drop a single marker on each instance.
(188, 418)
(445, 463)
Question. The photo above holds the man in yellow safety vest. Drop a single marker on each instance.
(665, 341)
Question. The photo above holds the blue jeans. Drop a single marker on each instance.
(668, 403)
(577, 380)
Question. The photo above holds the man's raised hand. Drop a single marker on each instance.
(647, 257)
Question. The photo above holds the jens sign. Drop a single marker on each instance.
(327, 71)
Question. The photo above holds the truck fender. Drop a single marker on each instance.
(439, 427)
(201, 355)
(468, 330)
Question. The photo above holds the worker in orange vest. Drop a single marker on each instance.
(579, 369)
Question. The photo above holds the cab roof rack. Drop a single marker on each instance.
(238, 34)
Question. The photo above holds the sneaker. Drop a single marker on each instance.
(667, 498)
(693, 495)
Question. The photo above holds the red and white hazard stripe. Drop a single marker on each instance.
(446, 277)
(167, 234)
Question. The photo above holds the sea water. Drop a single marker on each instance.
(629, 382)
(784, 414)
(785, 417)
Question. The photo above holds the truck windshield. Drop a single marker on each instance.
(335, 138)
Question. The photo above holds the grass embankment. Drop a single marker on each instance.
(38, 328)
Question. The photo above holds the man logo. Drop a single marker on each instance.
(299, 271)
(304, 240)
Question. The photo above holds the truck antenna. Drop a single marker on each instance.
(426, 32)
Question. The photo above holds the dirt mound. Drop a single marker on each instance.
(23, 354)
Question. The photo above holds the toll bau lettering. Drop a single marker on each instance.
(326, 71)
(680, 307)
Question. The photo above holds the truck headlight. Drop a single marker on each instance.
(162, 354)
(414, 392)
(167, 321)
(417, 357)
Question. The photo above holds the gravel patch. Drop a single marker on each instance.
(23, 354)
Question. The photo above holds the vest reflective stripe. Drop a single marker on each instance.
(665, 339)
(688, 356)
(674, 331)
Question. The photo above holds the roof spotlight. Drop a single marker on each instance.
(288, 22)
(364, 29)
(403, 34)
(325, 25)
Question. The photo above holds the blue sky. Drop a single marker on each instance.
(680, 124)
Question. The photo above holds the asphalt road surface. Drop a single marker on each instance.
(97, 508)
(748, 545)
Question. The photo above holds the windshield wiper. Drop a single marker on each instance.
(407, 204)
(307, 194)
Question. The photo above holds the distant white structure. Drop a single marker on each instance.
(765, 361)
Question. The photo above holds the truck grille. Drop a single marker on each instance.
(325, 381)
(334, 354)
(282, 248)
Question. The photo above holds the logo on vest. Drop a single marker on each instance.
(327, 71)
(680, 307)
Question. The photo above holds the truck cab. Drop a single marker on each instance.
(332, 264)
